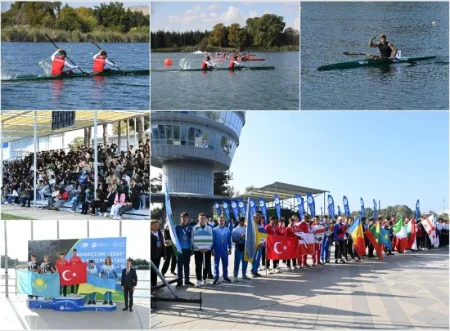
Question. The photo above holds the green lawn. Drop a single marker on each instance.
(8, 217)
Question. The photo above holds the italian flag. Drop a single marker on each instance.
(411, 233)
(402, 236)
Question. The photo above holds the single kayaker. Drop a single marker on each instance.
(100, 59)
(59, 62)
(387, 49)
(234, 63)
(207, 63)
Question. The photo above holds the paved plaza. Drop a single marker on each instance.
(404, 291)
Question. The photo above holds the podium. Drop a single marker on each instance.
(68, 304)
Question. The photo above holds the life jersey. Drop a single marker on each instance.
(99, 64)
(231, 64)
(319, 232)
(204, 65)
(57, 65)
(385, 50)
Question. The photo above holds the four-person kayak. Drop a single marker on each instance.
(372, 63)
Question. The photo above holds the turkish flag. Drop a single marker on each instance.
(282, 248)
(73, 274)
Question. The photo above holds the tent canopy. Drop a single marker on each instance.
(17, 124)
(284, 191)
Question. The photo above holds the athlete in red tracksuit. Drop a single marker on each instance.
(75, 260)
(289, 232)
(272, 229)
(319, 232)
(303, 226)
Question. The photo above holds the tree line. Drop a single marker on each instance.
(265, 32)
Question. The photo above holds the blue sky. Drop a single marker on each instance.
(395, 157)
(204, 15)
(7, 4)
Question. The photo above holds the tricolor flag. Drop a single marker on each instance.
(411, 234)
(357, 233)
(374, 236)
(400, 233)
(173, 235)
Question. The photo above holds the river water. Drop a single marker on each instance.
(101, 93)
(223, 90)
(416, 28)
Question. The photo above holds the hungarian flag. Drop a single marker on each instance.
(306, 243)
(73, 274)
(282, 248)
(402, 237)
(411, 233)
(374, 236)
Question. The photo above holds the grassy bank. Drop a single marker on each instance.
(27, 34)
(8, 217)
(190, 49)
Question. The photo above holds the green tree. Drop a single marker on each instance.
(156, 213)
(222, 183)
(218, 36)
(76, 143)
(67, 19)
(266, 31)
(156, 184)
(237, 36)
(86, 19)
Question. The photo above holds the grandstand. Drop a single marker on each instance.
(41, 171)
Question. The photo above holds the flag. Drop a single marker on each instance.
(202, 239)
(417, 210)
(282, 248)
(250, 236)
(375, 210)
(346, 206)
(72, 274)
(311, 204)
(411, 234)
(176, 247)
(299, 201)
(277, 206)
(252, 205)
(234, 207)
(363, 213)
(226, 209)
(330, 206)
(261, 236)
(262, 206)
(242, 209)
(217, 207)
(385, 239)
(357, 233)
(374, 236)
(39, 285)
(98, 285)
(430, 229)
(339, 211)
(400, 233)
(306, 243)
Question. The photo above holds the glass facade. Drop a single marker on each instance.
(193, 136)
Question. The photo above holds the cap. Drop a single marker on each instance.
(91, 261)
(74, 250)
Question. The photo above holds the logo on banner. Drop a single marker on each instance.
(225, 205)
(217, 205)
(277, 200)
(298, 200)
(345, 201)
(362, 202)
(252, 204)
(417, 204)
(84, 245)
(261, 204)
(94, 245)
(233, 205)
(330, 200)
(310, 200)
(241, 204)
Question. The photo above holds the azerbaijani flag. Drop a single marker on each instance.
(400, 233)
(374, 236)
(250, 236)
(357, 233)
(97, 285)
(173, 235)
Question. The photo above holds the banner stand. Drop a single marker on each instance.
(154, 298)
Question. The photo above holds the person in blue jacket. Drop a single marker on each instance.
(339, 233)
(238, 237)
(184, 233)
(220, 249)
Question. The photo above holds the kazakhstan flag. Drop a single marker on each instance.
(97, 285)
(39, 285)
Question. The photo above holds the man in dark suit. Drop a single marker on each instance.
(128, 283)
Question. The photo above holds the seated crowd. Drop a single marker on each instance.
(68, 177)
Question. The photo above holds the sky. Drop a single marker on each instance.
(176, 16)
(19, 232)
(90, 4)
(394, 157)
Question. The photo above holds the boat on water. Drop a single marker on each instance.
(112, 73)
(372, 63)
(215, 69)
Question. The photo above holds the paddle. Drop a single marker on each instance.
(92, 40)
(51, 40)
(354, 53)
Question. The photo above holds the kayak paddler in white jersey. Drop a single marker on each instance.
(100, 59)
(387, 49)
(234, 63)
(59, 62)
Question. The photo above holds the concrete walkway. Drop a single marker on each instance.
(404, 291)
(16, 316)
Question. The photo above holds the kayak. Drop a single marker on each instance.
(142, 72)
(372, 63)
(211, 69)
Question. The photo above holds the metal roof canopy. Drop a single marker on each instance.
(17, 124)
(284, 191)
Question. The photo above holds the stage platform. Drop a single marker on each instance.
(69, 304)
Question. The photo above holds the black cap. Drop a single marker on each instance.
(91, 261)
(74, 250)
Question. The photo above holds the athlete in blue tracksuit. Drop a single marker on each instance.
(325, 249)
(220, 249)
(184, 232)
(238, 237)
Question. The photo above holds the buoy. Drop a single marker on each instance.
(168, 62)
(434, 23)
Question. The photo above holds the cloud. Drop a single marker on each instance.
(213, 7)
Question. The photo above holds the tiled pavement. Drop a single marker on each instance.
(405, 291)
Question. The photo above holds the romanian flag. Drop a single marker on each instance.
(357, 233)
(97, 285)
(374, 236)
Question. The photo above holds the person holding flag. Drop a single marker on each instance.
(62, 262)
(157, 250)
(202, 256)
(319, 232)
(33, 266)
(305, 228)
(91, 270)
(108, 271)
(289, 232)
(183, 232)
(75, 259)
(47, 268)
(259, 247)
(221, 248)
(272, 229)
(238, 237)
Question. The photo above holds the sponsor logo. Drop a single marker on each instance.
(241, 204)
(261, 203)
(363, 62)
(233, 205)
(84, 245)
(345, 201)
(310, 200)
(277, 200)
(94, 245)
(330, 200)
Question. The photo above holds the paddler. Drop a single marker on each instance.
(234, 63)
(387, 49)
(59, 62)
(207, 63)
(100, 59)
